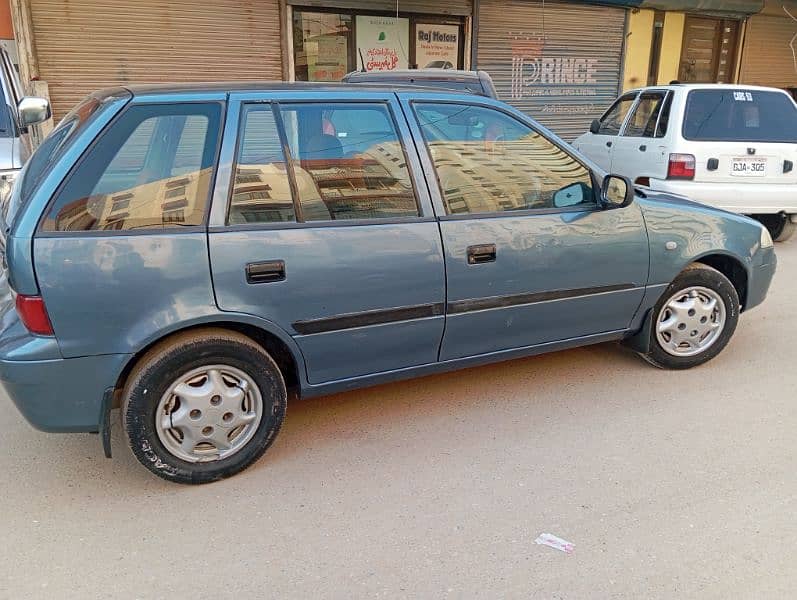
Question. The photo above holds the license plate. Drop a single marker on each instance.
(749, 167)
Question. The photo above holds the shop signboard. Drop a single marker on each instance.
(436, 46)
(329, 62)
(382, 42)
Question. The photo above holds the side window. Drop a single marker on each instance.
(151, 170)
(612, 121)
(348, 162)
(486, 161)
(261, 191)
(664, 118)
(643, 120)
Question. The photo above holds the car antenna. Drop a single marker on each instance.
(362, 60)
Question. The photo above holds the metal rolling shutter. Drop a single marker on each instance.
(767, 58)
(462, 8)
(564, 75)
(83, 45)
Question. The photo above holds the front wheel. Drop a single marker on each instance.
(694, 319)
(203, 405)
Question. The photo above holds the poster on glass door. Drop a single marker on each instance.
(382, 43)
(436, 46)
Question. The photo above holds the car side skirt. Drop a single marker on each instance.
(460, 363)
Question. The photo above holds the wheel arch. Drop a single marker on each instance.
(268, 336)
(730, 266)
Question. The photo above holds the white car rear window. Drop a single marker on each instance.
(738, 115)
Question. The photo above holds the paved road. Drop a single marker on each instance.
(670, 485)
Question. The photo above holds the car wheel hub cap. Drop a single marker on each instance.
(209, 413)
(690, 321)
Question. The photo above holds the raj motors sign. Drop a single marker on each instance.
(436, 46)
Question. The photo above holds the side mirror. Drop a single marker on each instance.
(595, 126)
(617, 191)
(33, 110)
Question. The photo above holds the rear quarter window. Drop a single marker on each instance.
(738, 115)
(151, 169)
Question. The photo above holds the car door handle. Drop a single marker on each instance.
(642, 148)
(608, 144)
(483, 253)
(267, 271)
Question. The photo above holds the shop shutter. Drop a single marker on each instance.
(462, 8)
(84, 45)
(560, 63)
(767, 58)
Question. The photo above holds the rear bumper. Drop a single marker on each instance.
(743, 198)
(61, 395)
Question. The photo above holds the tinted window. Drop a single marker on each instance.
(612, 121)
(152, 169)
(261, 190)
(486, 161)
(739, 115)
(642, 122)
(348, 162)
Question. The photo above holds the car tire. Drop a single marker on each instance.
(203, 405)
(779, 226)
(687, 329)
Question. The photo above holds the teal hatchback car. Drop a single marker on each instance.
(192, 254)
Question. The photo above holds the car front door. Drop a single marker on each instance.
(640, 152)
(599, 146)
(319, 228)
(531, 258)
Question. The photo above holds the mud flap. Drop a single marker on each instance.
(105, 421)
(640, 341)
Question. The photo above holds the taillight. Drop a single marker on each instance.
(682, 166)
(34, 316)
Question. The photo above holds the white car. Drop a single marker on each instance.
(729, 146)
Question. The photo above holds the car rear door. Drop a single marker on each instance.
(640, 152)
(599, 146)
(319, 228)
(741, 136)
(530, 256)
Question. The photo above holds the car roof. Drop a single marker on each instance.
(433, 74)
(267, 86)
(704, 86)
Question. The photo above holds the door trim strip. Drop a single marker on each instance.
(369, 317)
(423, 311)
(463, 306)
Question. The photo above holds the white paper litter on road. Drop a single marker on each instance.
(548, 539)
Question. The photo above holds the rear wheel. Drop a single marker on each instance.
(779, 226)
(203, 406)
(694, 319)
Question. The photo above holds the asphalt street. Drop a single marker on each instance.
(669, 485)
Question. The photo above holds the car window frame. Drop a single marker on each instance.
(276, 101)
(187, 229)
(595, 206)
(665, 94)
(636, 95)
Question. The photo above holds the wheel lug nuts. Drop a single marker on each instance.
(195, 414)
(691, 312)
(207, 430)
(227, 417)
(215, 400)
(694, 333)
(681, 326)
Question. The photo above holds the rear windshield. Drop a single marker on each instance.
(734, 115)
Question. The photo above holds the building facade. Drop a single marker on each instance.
(563, 62)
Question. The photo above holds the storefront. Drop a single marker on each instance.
(559, 62)
(768, 56)
(83, 45)
(329, 39)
